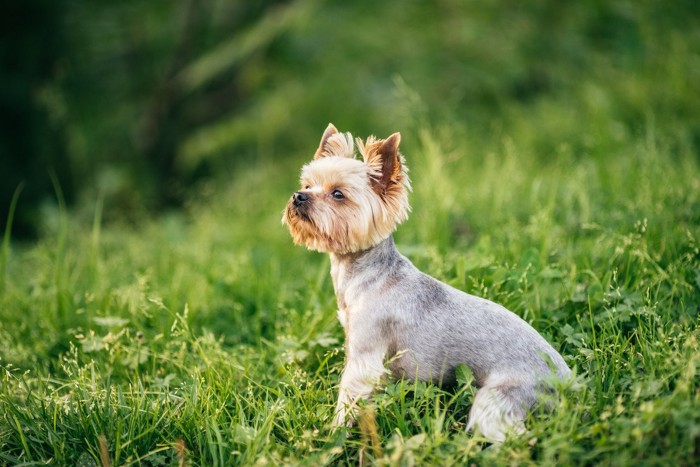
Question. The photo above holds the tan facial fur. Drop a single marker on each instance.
(374, 195)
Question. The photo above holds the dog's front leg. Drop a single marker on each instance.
(363, 371)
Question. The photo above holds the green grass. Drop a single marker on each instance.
(554, 160)
(206, 337)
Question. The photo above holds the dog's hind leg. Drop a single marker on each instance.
(500, 408)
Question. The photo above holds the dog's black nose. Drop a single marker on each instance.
(300, 198)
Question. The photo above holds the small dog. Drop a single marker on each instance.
(395, 315)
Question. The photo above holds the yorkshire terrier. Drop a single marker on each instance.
(393, 314)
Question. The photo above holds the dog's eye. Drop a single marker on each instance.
(307, 187)
(337, 194)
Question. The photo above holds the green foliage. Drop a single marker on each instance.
(139, 101)
(559, 177)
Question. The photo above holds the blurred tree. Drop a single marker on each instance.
(201, 84)
(105, 93)
(32, 140)
(140, 81)
(136, 100)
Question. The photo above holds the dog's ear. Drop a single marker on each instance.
(384, 158)
(391, 162)
(334, 143)
(330, 131)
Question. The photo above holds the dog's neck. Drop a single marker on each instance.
(364, 270)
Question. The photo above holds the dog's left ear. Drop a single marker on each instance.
(387, 154)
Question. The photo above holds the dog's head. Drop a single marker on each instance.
(347, 205)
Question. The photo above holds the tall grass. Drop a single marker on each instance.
(207, 338)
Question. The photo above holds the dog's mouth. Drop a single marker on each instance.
(302, 215)
(298, 212)
(301, 211)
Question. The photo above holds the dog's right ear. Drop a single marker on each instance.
(334, 143)
(330, 131)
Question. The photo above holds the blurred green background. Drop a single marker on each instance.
(136, 103)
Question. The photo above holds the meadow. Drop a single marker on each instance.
(206, 336)
(203, 336)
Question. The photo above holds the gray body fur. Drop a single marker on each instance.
(423, 328)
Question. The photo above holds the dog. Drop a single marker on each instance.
(394, 315)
